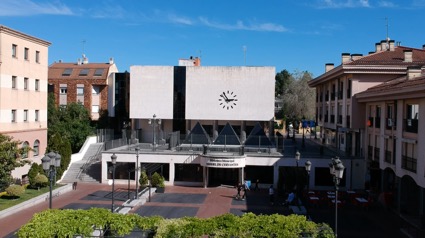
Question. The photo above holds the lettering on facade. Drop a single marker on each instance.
(223, 162)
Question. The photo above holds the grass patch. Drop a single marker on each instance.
(8, 201)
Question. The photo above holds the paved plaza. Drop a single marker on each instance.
(179, 201)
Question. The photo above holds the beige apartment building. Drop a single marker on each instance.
(23, 92)
(83, 82)
(395, 137)
(369, 107)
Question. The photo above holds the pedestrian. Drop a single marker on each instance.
(271, 194)
(290, 199)
(239, 187)
(256, 185)
(245, 188)
(74, 186)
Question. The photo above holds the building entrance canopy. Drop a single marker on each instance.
(221, 161)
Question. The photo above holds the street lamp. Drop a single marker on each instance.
(336, 168)
(303, 126)
(308, 169)
(50, 162)
(297, 159)
(154, 122)
(113, 161)
(137, 173)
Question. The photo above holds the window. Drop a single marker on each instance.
(98, 72)
(67, 72)
(37, 85)
(26, 53)
(14, 81)
(95, 108)
(26, 83)
(14, 50)
(36, 147)
(13, 115)
(25, 115)
(36, 115)
(80, 91)
(25, 146)
(84, 72)
(96, 90)
(63, 90)
(37, 56)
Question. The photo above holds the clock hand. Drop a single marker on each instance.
(225, 97)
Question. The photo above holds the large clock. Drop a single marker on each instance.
(227, 100)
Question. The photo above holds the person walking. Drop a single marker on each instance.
(256, 185)
(271, 195)
(238, 187)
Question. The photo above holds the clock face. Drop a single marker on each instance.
(227, 100)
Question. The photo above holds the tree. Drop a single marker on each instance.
(298, 98)
(10, 158)
(71, 122)
(61, 145)
(282, 80)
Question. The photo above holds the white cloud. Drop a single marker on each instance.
(342, 3)
(240, 25)
(387, 4)
(29, 8)
(179, 20)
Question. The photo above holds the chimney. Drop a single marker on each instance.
(329, 67)
(79, 61)
(111, 60)
(85, 59)
(408, 55)
(384, 45)
(423, 47)
(345, 57)
(413, 72)
(197, 62)
(356, 56)
(392, 45)
(378, 47)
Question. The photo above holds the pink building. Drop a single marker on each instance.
(23, 92)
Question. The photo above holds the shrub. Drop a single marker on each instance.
(33, 172)
(15, 190)
(157, 180)
(41, 180)
(144, 179)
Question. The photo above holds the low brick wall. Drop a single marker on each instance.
(39, 199)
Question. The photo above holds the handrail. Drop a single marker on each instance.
(88, 163)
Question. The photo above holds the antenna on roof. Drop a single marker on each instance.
(386, 25)
(84, 43)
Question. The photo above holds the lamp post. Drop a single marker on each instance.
(137, 173)
(50, 162)
(308, 169)
(303, 126)
(154, 122)
(337, 171)
(113, 161)
(297, 159)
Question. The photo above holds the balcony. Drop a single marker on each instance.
(321, 97)
(339, 119)
(370, 122)
(348, 93)
(332, 118)
(333, 96)
(347, 118)
(408, 163)
(376, 155)
(388, 157)
(369, 152)
(411, 125)
(340, 95)
(377, 122)
(326, 117)
(390, 124)
(326, 97)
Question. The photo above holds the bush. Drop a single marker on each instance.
(33, 172)
(15, 190)
(41, 180)
(144, 179)
(157, 180)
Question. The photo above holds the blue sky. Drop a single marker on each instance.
(293, 35)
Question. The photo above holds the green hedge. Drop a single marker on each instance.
(68, 223)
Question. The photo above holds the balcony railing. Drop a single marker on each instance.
(388, 157)
(408, 163)
(369, 152)
(376, 155)
(411, 125)
(339, 119)
(377, 122)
